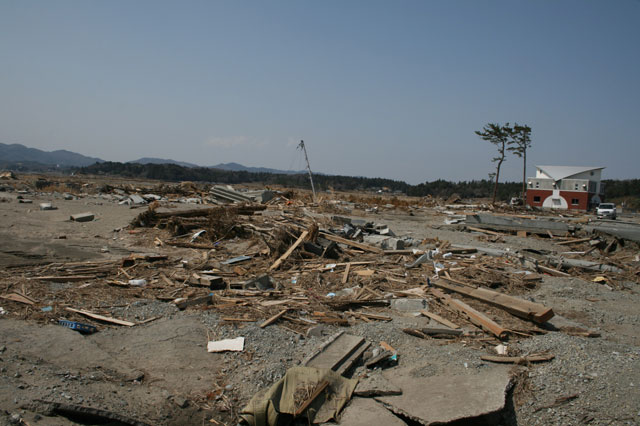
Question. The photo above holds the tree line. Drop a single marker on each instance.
(171, 172)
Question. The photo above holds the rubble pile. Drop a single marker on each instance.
(263, 260)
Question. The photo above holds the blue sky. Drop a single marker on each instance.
(389, 89)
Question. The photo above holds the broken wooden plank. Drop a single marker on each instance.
(274, 318)
(339, 353)
(284, 257)
(484, 231)
(514, 305)
(474, 316)
(579, 240)
(518, 359)
(101, 317)
(350, 243)
(184, 303)
(20, 298)
(345, 276)
(552, 271)
(439, 319)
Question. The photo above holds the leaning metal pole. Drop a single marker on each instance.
(304, 149)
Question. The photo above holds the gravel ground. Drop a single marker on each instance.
(591, 380)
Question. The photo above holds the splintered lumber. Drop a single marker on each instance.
(518, 359)
(519, 307)
(345, 276)
(339, 353)
(101, 317)
(439, 319)
(319, 388)
(20, 298)
(474, 316)
(552, 271)
(350, 243)
(274, 318)
(284, 257)
(484, 231)
(581, 240)
(183, 304)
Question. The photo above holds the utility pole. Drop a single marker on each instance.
(313, 189)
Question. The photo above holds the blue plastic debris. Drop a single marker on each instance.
(47, 309)
(78, 326)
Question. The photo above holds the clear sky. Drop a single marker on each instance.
(389, 89)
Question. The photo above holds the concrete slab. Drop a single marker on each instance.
(409, 305)
(444, 399)
(83, 217)
(368, 412)
(376, 385)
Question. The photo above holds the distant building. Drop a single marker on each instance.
(565, 187)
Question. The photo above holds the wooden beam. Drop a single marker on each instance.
(273, 318)
(581, 240)
(519, 307)
(350, 243)
(439, 319)
(284, 257)
(101, 317)
(518, 359)
(474, 316)
(484, 231)
(345, 276)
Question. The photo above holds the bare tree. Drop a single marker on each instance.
(520, 141)
(500, 137)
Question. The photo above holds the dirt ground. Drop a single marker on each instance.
(158, 371)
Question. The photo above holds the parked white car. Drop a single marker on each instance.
(606, 210)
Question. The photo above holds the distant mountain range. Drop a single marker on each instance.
(31, 157)
(16, 153)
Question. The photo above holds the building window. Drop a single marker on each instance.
(575, 202)
(575, 186)
(537, 184)
(556, 201)
(536, 198)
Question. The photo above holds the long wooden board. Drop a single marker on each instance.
(474, 316)
(282, 258)
(101, 317)
(350, 243)
(514, 305)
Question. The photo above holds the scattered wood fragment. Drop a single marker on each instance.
(274, 318)
(514, 305)
(552, 271)
(284, 257)
(101, 317)
(345, 276)
(559, 401)
(518, 359)
(474, 316)
(350, 243)
(439, 319)
(580, 240)
(20, 298)
(484, 231)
